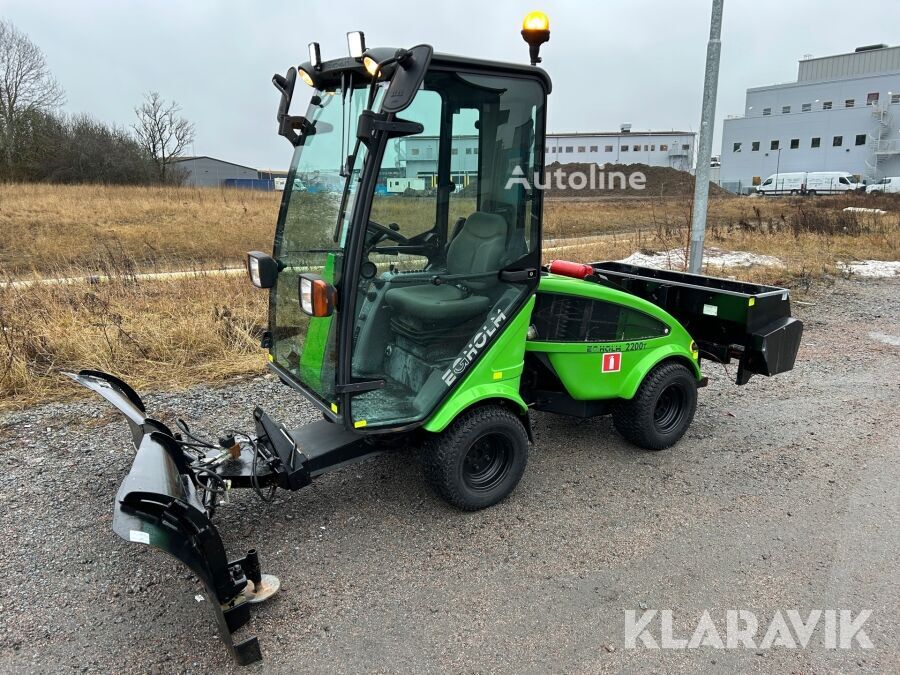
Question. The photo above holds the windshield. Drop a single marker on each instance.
(315, 209)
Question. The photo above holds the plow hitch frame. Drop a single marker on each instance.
(167, 501)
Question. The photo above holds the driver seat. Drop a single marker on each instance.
(479, 247)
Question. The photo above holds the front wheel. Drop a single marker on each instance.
(478, 460)
(661, 410)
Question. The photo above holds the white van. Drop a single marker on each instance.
(808, 183)
(889, 184)
(783, 184)
(830, 182)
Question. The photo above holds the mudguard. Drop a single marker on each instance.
(158, 505)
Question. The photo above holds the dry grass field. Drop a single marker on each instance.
(59, 230)
(172, 333)
(55, 229)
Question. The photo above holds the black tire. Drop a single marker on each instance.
(661, 410)
(477, 460)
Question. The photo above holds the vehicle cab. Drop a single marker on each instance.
(383, 298)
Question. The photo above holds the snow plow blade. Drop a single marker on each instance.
(159, 504)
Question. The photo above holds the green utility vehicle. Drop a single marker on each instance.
(420, 315)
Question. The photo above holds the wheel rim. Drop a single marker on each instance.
(487, 462)
(669, 410)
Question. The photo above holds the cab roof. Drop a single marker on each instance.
(329, 73)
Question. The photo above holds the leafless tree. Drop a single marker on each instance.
(26, 87)
(162, 132)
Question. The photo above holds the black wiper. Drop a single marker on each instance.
(345, 195)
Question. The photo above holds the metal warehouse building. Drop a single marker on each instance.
(211, 172)
(842, 114)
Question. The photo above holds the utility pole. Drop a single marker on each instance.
(707, 126)
(777, 167)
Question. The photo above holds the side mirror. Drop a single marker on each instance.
(317, 296)
(287, 123)
(407, 79)
(285, 86)
(263, 269)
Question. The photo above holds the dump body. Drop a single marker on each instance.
(727, 318)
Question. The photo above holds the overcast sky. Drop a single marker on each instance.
(639, 62)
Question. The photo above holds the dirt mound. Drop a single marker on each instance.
(606, 181)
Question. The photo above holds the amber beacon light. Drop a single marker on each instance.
(535, 31)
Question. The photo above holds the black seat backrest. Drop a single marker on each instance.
(480, 246)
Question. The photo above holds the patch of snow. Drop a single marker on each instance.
(892, 340)
(860, 209)
(714, 257)
(874, 268)
(669, 260)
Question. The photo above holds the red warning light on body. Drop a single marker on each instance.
(612, 362)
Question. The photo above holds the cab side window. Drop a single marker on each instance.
(464, 160)
(405, 196)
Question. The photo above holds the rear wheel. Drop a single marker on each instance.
(478, 460)
(661, 410)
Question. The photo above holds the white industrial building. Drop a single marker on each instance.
(673, 149)
(842, 114)
(416, 157)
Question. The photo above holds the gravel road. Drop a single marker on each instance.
(785, 494)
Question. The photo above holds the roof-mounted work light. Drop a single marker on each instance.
(381, 62)
(305, 74)
(371, 65)
(535, 31)
(356, 43)
(315, 56)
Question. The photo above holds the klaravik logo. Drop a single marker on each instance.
(741, 629)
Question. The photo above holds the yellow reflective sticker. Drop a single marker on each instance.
(498, 374)
(334, 408)
(271, 357)
(358, 424)
(751, 302)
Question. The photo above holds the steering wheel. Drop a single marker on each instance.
(386, 233)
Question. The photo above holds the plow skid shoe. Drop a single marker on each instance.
(158, 505)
